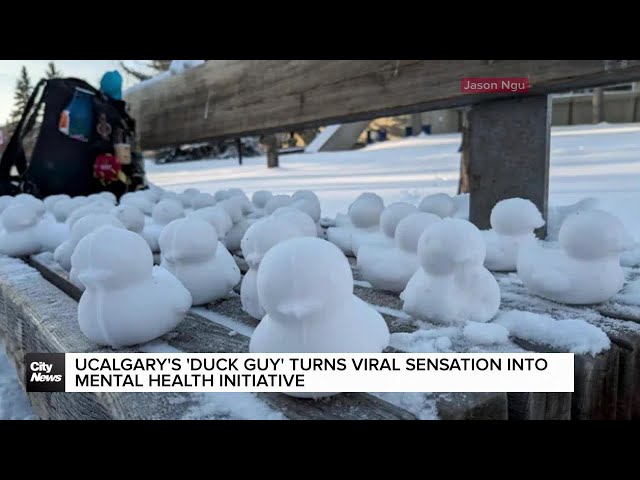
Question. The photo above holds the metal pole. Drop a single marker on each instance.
(239, 147)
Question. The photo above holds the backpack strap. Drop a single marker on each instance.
(14, 153)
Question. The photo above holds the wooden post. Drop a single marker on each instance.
(509, 155)
(598, 105)
(271, 142)
(463, 183)
(416, 123)
(239, 147)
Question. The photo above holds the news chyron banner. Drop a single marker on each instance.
(298, 373)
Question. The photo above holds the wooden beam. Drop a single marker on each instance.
(225, 98)
(509, 155)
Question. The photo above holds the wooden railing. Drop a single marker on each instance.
(509, 133)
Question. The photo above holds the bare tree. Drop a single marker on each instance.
(152, 67)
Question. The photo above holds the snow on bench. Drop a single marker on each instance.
(227, 314)
(607, 385)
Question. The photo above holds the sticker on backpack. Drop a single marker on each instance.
(76, 120)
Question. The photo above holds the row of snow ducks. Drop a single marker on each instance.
(109, 249)
(301, 286)
(440, 263)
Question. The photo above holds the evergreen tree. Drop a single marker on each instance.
(52, 71)
(21, 95)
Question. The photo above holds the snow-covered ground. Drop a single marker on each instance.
(586, 161)
(601, 161)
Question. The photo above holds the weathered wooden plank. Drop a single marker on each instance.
(595, 382)
(226, 98)
(625, 335)
(346, 406)
(540, 406)
(473, 406)
(626, 304)
(54, 273)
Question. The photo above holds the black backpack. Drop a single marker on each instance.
(59, 163)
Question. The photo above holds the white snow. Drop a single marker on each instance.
(162, 213)
(306, 287)
(576, 336)
(260, 198)
(365, 211)
(422, 405)
(630, 294)
(231, 406)
(391, 216)
(515, 216)
(322, 138)
(80, 229)
(362, 221)
(217, 217)
(262, 236)
(392, 268)
(423, 340)
(20, 235)
(439, 204)
(131, 217)
(152, 304)
(91, 208)
(234, 325)
(384, 236)
(202, 200)
(599, 161)
(586, 269)
(277, 201)
(298, 218)
(451, 286)
(308, 202)
(33, 202)
(138, 199)
(513, 222)
(485, 333)
(158, 346)
(411, 228)
(190, 250)
(558, 214)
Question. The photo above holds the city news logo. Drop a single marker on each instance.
(44, 372)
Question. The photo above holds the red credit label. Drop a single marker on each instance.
(494, 85)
